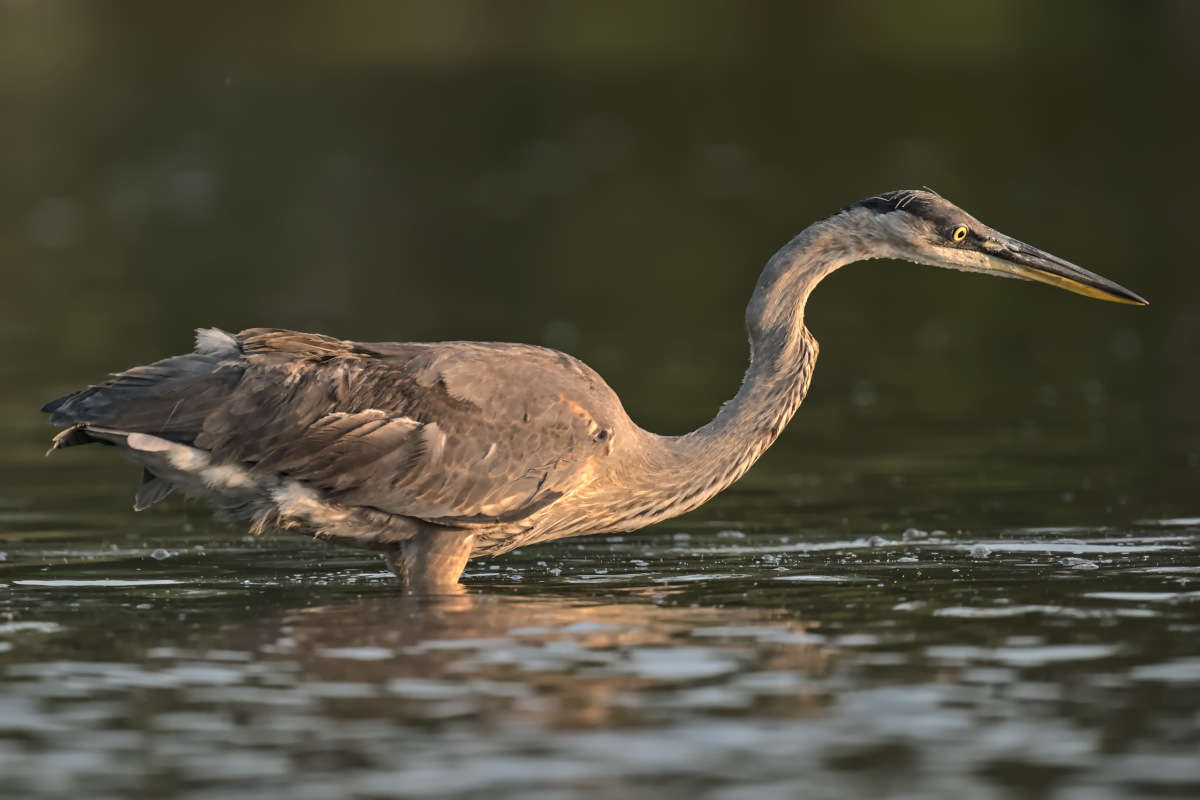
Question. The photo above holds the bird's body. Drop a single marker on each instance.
(435, 452)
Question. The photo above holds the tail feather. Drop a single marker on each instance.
(152, 490)
(56, 404)
(170, 398)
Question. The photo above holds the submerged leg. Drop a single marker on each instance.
(431, 562)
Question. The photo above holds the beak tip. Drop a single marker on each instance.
(1135, 300)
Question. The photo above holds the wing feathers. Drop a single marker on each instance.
(455, 433)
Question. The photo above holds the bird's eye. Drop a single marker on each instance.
(959, 234)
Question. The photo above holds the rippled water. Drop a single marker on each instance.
(1057, 663)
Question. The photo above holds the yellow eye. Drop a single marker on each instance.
(959, 234)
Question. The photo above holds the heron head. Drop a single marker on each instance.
(928, 229)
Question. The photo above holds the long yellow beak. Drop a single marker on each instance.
(1024, 261)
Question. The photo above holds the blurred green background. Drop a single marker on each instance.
(608, 178)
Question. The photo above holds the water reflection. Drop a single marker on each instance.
(934, 664)
(558, 662)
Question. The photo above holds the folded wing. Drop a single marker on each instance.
(456, 433)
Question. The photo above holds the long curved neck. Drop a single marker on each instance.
(690, 469)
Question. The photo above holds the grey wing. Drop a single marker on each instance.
(456, 433)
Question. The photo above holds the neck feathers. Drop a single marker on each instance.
(677, 474)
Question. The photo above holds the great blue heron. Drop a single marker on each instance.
(437, 452)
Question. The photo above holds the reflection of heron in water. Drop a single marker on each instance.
(572, 653)
(435, 452)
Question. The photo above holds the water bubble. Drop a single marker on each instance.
(1078, 563)
(160, 554)
(914, 533)
(980, 551)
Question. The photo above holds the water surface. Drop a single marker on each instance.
(1055, 662)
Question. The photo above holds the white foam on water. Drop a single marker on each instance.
(1143, 597)
(701, 577)
(1051, 654)
(1179, 670)
(1069, 547)
(1177, 522)
(804, 578)
(40, 627)
(358, 653)
(96, 582)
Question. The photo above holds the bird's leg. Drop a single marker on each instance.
(431, 562)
